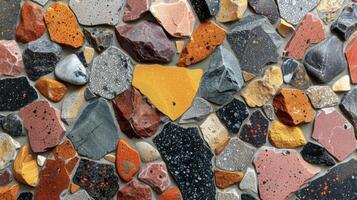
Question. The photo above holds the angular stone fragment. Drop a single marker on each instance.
(127, 160)
(349, 107)
(5, 177)
(72, 104)
(223, 79)
(225, 179)
(25, 196)
(51, 89)
(322, 96)
(255, 130)
(269, 111)
(134, 115)
(345, 25)
(110, 157)
(281, 172)
(41, 160)
(11, 63)
(177, 25)
(342, 84)
(338, 183)
(111, 73)
(9, 12)
(352, 59)
(247, 196)
(199, 109)
(80, 195)
(171, 194)
(96, 12)
(335, 133)
(99, 38)
(8, 150)
(233, 114)
(43, 124)
(249, 181)
(71, 70)
(184, 145)
(85, 55)
(147, 152)
(236, 156)
(99, 180)
(324, 63)
(328, 10)
(9, 192)
(295, 74)
(31, 26)
(283, 136)
(294, 11)
(25, 167)
(214, 133)
(134, 9)
(135, 190)
(94, 133)
(203, 42)
(12, 124)
(231, 10)
(159, 84)
(62, 25)
(292, 107)
(284, 28)
(310, 31)
(228, 194)
(88, 95)
(67, 153)
(267, 8)
(41, 2)
(40, 58)
(317, 155)
(205, 9)
(156, 176)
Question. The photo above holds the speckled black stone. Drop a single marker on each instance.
(16, 93)
(12, 124)
(99, 180)
(99, 38)
(233, 114)
(349, 107)
(188, 160)
(205, 9)
(346, 24)
(340, 183)
(9, 12)
(88, 95)
(40, 58)
(317, 155)
(255, 130)
(247, 197)
(267, 8)
(25, 196)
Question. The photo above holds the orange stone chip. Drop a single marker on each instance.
(67, 153)
(225, 179)
(9, 192)
(127, 160)
(171, 194)
(203, 42)
(51, 89)
(62, 25)
(74, 188)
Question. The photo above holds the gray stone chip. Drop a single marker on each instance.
(293, 11)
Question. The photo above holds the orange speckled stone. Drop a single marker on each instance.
(203, 42)
(171, 194)
(51, 89)
(62, 25)
(127, 160)
(9, 192)
(225, 179)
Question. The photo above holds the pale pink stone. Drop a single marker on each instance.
(134, 9)
(155, 175)
(11, 63)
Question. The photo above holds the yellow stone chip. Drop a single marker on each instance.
(283, 136)
(25, 167)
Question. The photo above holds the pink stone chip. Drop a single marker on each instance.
(134, 9)
(281, 172)
(44, 125)
(351, 55)
(155, 175)
(335, 133)
(135, 190)
(11, 63)
(310, 31)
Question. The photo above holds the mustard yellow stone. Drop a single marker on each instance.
(25, 167)
(231, 10)
(171, 89)
(283, 136)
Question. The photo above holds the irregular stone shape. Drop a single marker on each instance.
(71, 70)
(111, 158)
(159, 84)
(171, 194)
(352, 59)
(228, 194)
(223, 79)
(295, 74)
(225, 179)
(96, 12)
(31, 26)
(335, 133)
(88, 95)
(236, 156)
(25, 196)
(214, 133)
(41, 2)
(74, 188)
(205, 9)
(199, 109)
(111, 73)
(43, 124)
(289, 67)
(349, 107)
(5, 177)
(310, 31)
(281, 172)
(267, 8)
(9, 192)
(203, 42)
(40, 58)
(80, 195)
(345, 25)
(10, 11)
(147, 152)
(134, 9)
(294, 11)
(233, 114)
(249, 181)
(143, 47)
(180, 45)
(231, 10)
(269, 111)
(338, 183)
(317, 155)
(322, 96)
(328, 10)
(135, 190)
(25, 167)
(247, 197)
(254, 33)
(156, 176)
(51, 89)
(127, 160)
(324, 63)
(62, 25)
(12, 124)
(8, 150)
(292, 107)
(100, 38)
(342, 84)
(54, 179)
(72, 104)
(284, 28)
(85, 55)
(283, 136)
(179, 145)
(94, 133)
(11, 63)
(255, 130)
(99, 180)
(134, 115)
(41, 160)
(67, 153)
(166, 13)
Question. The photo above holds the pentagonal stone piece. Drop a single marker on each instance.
(233, 114)
(255, 130)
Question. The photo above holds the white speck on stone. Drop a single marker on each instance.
(41, 160)
(249, 181)
(71, 70)
(147, 152)
(322, 96)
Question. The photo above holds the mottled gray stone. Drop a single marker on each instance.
(79, 195)
(71, 70)
(223, 79)
(249, 181)
(322, 96)
(111, 73)
(94, 133)
(199, 110)
(267, 8)
(346, 24)
(9, 12)
(12, 124)
(295, 74)
(99, 38)
(205, 9)
(325, 63)
(293, 11)
(349, 106)
(41, 2)
(228, 194)
(269, 111)
(88, 95)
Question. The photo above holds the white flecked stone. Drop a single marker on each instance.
(249, 181)
(228, 194)
(71, 70)
(41, 160)
(41, 2)
(72, 104)
(8, 150)
(147, 152)
(213, 131)
(293, 11)
(343, 84)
